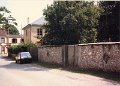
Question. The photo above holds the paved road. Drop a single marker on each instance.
(12, 74)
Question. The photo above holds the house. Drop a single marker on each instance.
(34, 31)
(7, 40)
(3, 41)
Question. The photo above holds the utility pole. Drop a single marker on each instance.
(21, 29)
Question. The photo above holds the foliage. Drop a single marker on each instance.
(8, 22)
(12, 29)
(23, 47)
(109, 24)
(71, 22)
(4, 9)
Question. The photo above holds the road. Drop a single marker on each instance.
(12, 74)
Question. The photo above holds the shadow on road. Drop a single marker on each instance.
(10, 64)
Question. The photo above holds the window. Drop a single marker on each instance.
(14, 40)
(45, 31)
(22, 40)
(26, 32)
(2, 40)
(3, 49)
(39, 32)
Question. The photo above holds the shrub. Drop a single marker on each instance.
(23, 47)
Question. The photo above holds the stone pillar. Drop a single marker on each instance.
(65, 55)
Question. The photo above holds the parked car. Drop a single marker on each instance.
(23, 57)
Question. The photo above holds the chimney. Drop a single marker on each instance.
(28, 20)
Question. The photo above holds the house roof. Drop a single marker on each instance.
(14, 36)
(39, 22)
(2, 32)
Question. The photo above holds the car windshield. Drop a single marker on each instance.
(25, 54)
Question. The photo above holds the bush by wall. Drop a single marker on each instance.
(23, 47)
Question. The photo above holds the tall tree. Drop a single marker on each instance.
(8, 22)
(109, 24)
(71, 22)
(13, 30)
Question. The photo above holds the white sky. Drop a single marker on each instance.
(22, 9)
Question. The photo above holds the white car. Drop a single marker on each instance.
(23, 57)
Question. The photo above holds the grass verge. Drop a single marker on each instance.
(47, 65)
(115, 76)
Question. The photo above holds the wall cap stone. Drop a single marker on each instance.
(100, 43)
(43, 46)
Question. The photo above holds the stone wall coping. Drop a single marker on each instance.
(50, 46)
(100, 43)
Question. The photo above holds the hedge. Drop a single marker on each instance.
(23, 47)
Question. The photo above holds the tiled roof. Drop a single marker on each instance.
(2, 32)
(14, 36)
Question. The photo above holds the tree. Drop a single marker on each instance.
(13, 30)
(71, 22)
(3, 10)
(8, 23)
(109, 24)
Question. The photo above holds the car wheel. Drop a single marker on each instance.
(16, 61)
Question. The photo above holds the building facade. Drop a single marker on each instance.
(8, 40)
(35, 31)
(3, 41)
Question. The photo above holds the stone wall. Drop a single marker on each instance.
(90, 57)
(50, 54)
(101, 56)
(95, 56)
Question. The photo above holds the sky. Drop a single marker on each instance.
(22, 9)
